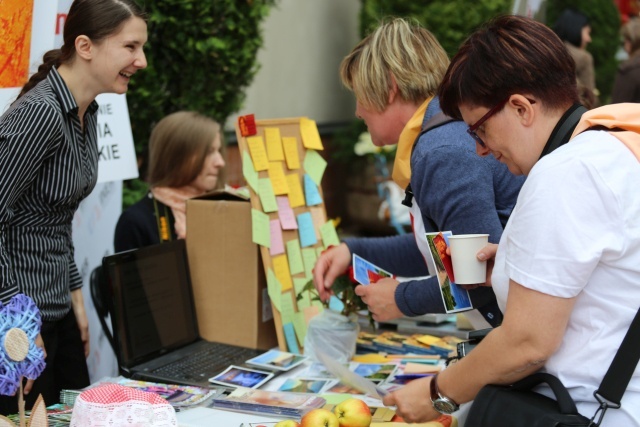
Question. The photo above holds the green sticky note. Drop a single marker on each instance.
(249, 172)
(319, 251)
(274, 289)
(295, 257)
(300, 325)
(260, 228)
(298, 284)
(309, 259)
(267, 196)
(314, 165)
(287, 311)
(329, 234)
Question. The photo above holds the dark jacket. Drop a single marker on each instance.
(626, 87)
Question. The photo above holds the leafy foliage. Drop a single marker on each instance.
(451, 21)
(344, 288)
(201, 56)
(604, 20)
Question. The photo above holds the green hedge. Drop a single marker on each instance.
(604, 19)
(201, 56)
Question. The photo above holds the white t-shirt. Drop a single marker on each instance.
(575, 232)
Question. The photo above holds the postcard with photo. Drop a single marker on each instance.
(366, 273)
(318, 370)
(454, 297)
(279, 360)
(339, 387)
(302, 385)
(376, 372)
(237, 376)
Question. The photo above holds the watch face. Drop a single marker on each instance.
(445, 406)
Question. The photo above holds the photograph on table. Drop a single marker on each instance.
(376, 372)
(278, 360)
(237, 376)
(304, 385)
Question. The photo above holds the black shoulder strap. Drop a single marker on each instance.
(435, 121)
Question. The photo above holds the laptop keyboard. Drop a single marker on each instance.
(206, 362)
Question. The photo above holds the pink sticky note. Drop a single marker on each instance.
(287, 217)
(277, 245)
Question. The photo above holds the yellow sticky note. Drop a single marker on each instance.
(296, 195)
(278, 180)
(258, 153)
(310, 136)
(295, 257)
(314, 165)
(274, 144)
(290, 146)
(281, 270)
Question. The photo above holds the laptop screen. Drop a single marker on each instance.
(152, 305)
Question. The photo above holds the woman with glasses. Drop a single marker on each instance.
(394, 73)
(567, 269)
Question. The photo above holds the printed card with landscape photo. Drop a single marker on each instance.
(366, 273)
(302, 385)
(278, 360)
(376, 372)
(455, 297)
(236, 376)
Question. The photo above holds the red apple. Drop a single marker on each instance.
(319, 418)
(287, 423)
(353, 413)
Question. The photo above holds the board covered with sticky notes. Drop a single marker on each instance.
(283, 165)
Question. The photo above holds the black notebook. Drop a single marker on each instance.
(154, 321)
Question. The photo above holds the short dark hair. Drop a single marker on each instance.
(509, 54)
(96, 19)
(569, 26)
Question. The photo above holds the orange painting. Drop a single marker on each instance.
(16, 18)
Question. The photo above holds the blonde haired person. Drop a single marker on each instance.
(394, 73)
(185, 160)
(626, 87)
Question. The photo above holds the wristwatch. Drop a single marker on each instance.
(441, 403)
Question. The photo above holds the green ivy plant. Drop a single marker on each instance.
(344, 288)
(201, 56)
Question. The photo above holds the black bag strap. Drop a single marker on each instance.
(624, 363)
(565, 402)
(434, 121)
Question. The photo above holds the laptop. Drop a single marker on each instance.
(154, 321)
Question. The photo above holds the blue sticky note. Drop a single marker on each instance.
(290, 336)
(311, 192)
(335, 304)
(306, 230)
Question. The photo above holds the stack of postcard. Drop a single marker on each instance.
(288, 405)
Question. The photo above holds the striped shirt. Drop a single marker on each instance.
(47, 166)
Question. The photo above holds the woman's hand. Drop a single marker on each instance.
(381, 299)
(331, 264)
(77, 303)
(413, 401)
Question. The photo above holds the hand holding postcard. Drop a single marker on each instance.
(366, 273)
(454, 297)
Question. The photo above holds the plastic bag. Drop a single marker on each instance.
(334, 334)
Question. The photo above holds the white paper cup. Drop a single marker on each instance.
(467, 270)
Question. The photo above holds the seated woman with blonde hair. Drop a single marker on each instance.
(184, 162)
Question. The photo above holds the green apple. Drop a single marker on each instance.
(353, 413)
(319, 418)
(287, 423)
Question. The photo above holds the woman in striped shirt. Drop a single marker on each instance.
(48, 164)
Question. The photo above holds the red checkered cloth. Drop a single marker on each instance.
(114, 405)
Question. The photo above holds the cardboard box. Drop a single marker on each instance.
(229, 284)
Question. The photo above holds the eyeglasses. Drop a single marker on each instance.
(474, 127)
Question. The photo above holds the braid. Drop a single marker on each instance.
(50, 59)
